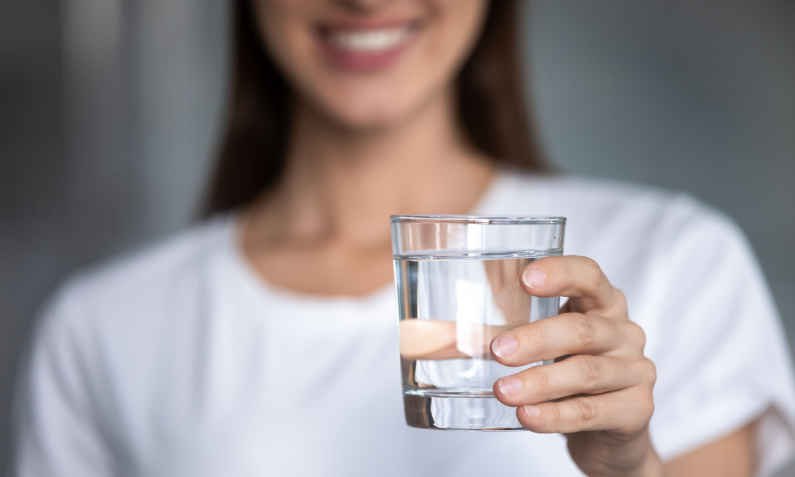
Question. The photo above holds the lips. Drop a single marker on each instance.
(363, 48)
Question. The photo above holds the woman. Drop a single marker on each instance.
(262, 342)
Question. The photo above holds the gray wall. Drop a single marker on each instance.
(31, 168)
(109, 112)
(697, 96)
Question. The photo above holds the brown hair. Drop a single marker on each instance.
(253, 152)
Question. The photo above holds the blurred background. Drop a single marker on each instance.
(110, 113)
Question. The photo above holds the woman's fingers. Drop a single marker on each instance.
(575, 375)
(623, 413)
(566, 334)
(579, 278)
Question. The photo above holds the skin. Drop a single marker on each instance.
(367, 145)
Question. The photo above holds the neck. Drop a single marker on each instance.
(343, 184)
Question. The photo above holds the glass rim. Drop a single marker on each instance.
(477, 219)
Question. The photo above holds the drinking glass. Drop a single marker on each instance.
(458, 287)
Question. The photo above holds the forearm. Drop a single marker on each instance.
(733, 455)
(617, 457)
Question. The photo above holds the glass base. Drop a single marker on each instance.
(456, 411)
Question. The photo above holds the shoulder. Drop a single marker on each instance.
(589, 194)
(152, 267)
(601, 209)
(133, 284)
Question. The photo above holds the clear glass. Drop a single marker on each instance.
(458, 287)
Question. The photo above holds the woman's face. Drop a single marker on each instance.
(370, 63)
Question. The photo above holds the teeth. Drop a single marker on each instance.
(369, 40)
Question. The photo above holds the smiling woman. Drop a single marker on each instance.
(489, 99)
(263, 340)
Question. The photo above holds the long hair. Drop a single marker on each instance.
(490, 104)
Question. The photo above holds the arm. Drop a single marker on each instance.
(57, 430)
(730, 456)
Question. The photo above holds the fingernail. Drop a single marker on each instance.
(534, 277)
(532, 411)
(504, 346)
(509, 386)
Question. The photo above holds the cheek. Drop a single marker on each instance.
(458, 28)
(283, 31)
(288, 37)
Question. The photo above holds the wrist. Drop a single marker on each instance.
(634, 458)
(652, 465)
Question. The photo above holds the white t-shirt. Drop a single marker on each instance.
(181, 361)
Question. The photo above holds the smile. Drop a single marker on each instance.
(358, 48)
(375, 40)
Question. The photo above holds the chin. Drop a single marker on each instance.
(374, 122)
(369, 117)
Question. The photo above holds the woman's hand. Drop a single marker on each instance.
(599, 391)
